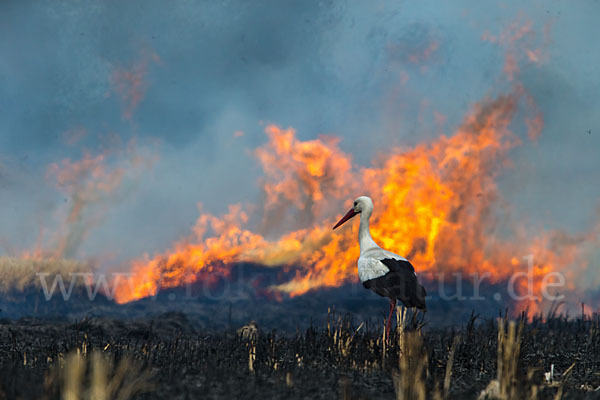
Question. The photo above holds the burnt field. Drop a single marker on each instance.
(166, 356)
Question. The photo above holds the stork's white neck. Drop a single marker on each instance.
(364, 234)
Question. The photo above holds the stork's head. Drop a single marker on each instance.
(362, 204)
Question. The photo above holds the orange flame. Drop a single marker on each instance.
(435, 204)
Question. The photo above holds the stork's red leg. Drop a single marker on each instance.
(389, 320)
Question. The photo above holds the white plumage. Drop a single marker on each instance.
(382, 271)
(370, 265)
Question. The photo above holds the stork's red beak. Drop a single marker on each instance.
(346, 217)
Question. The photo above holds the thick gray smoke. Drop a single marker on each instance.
(194, 83)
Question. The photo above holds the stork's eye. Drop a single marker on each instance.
(355, 203)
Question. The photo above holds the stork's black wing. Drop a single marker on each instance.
(400, 283)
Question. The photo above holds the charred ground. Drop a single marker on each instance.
(302, 350)
(333, 358)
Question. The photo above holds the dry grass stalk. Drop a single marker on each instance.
(341, 333)
(97, 378)
(534, 390)
(409, 381)
(289, 381)
(401, 321)
(251, 356)
(74, 375)
(564, 377)
(505, 386)
(509, 349)
(249, 332)
(449, 364)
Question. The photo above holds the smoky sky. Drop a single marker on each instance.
(376, 74)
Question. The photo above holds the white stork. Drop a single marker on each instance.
(382, 271)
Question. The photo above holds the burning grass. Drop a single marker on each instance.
(19, 274)
(146, 359)
(438, 203)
